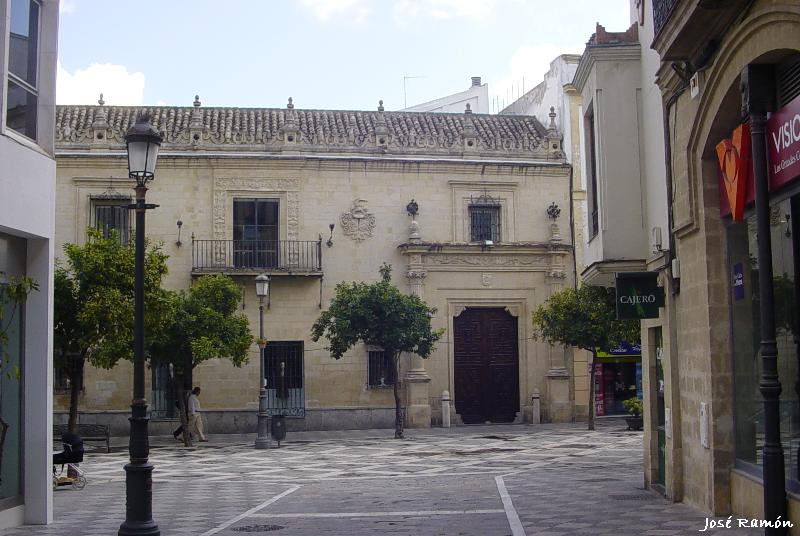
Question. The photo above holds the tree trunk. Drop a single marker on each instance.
(75, 384)
(398, 410)
(591, 392)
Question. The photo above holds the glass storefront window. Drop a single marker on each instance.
(746, 334)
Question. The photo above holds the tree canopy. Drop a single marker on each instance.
(378, 314)
(93, 299)
(584, 317)
(93, 305)
(203, 325)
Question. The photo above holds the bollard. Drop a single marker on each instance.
(445, 409)
(536, 408)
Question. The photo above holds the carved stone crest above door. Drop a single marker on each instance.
(358, 223)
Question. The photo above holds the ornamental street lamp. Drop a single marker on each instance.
(143, 142)
(262, 434)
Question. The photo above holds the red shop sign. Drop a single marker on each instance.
(783, 145)
(734, 165)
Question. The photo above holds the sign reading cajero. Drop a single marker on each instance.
(638, 295)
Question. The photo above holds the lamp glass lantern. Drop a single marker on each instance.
(143, 142)
(262, 285)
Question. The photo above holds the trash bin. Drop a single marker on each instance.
(278, 428)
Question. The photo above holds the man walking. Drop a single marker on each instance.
(195, 419)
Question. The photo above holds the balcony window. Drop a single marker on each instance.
(255, 233)
(23, 95)
(594, 222)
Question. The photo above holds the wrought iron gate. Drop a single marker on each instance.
(283, 366)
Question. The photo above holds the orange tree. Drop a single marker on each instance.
(378, 314)
(585, 318)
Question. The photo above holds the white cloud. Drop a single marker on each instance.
(67, 6)
(527, 68)
(118, 86)
(443, 9)
(326, 9)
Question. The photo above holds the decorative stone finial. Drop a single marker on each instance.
(552, 125)
(468, 110)
(413, 231)
(196, 101)
(101, 102)
(553, 211)
(380, 105)
(412, 208)
(290, 105)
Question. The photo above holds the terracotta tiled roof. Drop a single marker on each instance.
(271, 129)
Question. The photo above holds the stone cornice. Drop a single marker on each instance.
(96, 159)
(597, 53)
(471, 247)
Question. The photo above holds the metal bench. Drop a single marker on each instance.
(88, 432)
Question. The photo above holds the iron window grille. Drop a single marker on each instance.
(61, 375)
(110, 213)
(22, 99)
(484, 218)
(164, 399)
(381, 371)
(283, 368)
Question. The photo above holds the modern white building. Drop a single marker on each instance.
(477, 96)
(28, 46)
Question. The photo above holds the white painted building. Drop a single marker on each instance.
(477, 96)
(28, 47)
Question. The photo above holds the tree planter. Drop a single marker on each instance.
(635, 422)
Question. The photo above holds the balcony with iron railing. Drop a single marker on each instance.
(691, 30)
(662, 9)
(274, 257)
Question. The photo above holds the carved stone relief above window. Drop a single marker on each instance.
(286, 190)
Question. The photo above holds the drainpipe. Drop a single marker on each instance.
(674, 283)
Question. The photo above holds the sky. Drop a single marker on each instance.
(325, 54)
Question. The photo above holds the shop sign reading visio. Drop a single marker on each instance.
(783, 144)
(736, 189)
(638, 295)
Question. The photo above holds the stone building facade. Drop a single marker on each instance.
(707, 358)
(316, 197)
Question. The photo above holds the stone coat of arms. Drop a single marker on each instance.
(358, 223)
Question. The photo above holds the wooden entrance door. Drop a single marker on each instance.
(486, 362)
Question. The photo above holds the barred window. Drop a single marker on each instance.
(381, 369)
(61, 375)
(112, 215)
(484, 223)
(164, 399)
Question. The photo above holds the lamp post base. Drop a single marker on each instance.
(139, 494)
(262, 431)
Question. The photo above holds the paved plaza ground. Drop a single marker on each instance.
(547, 480)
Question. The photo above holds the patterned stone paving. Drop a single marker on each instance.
(547, 480)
